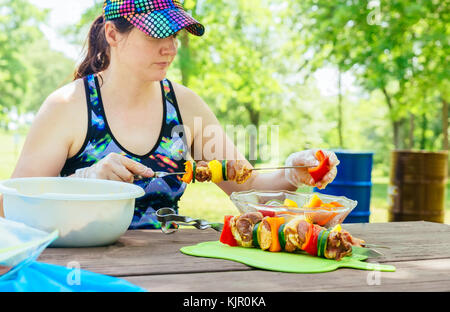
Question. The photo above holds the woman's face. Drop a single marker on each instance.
(146, 57)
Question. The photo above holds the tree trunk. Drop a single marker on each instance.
(340, 115)
(395, 123)
(185, 58)
(184, 53)
(445, 124)
(423, 140)
(254, 120)
(411, 131)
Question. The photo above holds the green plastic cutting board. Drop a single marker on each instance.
(282, 261)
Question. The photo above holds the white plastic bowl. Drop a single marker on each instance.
(86, 212)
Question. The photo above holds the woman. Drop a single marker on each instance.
(118, 118)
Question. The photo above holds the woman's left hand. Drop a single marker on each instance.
(298, 176)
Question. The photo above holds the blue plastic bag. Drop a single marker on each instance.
(21, 245)
(44, 277)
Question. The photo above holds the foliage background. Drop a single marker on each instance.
(264, 62)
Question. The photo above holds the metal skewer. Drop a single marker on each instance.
(282, 167)
(160, 174)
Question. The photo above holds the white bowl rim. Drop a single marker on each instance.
(234, 195)
(134, 191)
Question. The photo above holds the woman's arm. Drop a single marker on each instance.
(268, 181)
(49, 140)
(58, 132)
(51, 135)
(208, 141)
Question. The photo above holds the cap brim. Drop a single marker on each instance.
(164, 23)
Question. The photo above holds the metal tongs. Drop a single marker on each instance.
(370, 251)
(170, 221)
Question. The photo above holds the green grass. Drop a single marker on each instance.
(9, 153)
(208, 201)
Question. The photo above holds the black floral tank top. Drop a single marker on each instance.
(168, 154)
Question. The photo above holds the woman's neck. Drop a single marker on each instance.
(127, 89)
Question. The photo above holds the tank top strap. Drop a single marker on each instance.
(92, 88)
(173, 138)
(174, 115)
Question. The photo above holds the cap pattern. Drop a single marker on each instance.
(156, 18)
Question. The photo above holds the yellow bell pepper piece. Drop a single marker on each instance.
(315, 202)
(336, 228)
(215, 167)
(290, 203)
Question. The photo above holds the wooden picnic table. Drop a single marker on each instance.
(420, 251)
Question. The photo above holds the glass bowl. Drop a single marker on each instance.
(270, 203)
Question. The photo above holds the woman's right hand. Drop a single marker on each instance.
(115, 167)
(298, 176)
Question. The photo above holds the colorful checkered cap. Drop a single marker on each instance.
(156, 18)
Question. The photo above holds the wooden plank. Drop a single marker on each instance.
(424, 275)
(145, 252)
(407, 240)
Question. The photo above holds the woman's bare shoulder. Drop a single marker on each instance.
(69, 96)
(56, 131)
(187, 97)
(64, 112)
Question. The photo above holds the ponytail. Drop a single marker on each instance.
(97, 57)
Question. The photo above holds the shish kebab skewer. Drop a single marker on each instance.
(214, 171)
(234, 170)
(252, 229)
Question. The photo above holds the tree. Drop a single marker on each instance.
(18, 25)
(48, 69)
(404, 43)
(234, 66)
(77, 33)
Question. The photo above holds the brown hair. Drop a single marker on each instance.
(98, 55)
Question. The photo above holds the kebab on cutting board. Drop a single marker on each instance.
(252, 229)
(274, 233)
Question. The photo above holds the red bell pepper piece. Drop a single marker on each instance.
(226, 236)
(267, 213)
(322, 169)
(308, 236)
(311, 245)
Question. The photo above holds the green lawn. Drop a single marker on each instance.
(9, 153)
(206, 200)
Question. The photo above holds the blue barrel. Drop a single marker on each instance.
(354, 181)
